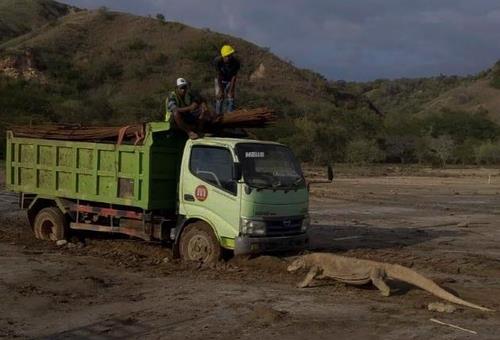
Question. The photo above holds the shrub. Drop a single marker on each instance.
(422, 151)
(161, 59)
(105, 13)
(137, 45)
(442, 147)
(101, 71)
(488, 153)
(461, 125)
(495, 76)
(203, 51)
(22, 97)
(400, 147)
(141, 71)
(465, 153)
(160, 17)
(363, 151)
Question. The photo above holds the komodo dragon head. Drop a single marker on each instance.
(297, 264)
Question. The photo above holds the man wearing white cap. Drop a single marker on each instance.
(186, 109)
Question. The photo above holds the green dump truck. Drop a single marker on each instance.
(201, 196)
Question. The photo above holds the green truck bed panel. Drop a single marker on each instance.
(143, 176)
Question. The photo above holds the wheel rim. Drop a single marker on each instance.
(199, 248)
(47, 230)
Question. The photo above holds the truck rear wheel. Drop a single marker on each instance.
(199, 243)
(50, 224)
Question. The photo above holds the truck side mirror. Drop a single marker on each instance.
(237, 173)
(330, 173)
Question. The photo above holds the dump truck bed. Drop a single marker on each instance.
(143, 176)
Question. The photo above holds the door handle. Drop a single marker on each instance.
(188, 197)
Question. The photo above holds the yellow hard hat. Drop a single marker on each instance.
(226, 50)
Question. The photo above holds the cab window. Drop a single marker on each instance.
(213, 165)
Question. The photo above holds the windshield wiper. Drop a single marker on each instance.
(292, 186)
(267, 186)
(260, 187)
(297, 182)
(277, 184)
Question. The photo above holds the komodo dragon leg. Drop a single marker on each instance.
(311, 275)
(377, 277)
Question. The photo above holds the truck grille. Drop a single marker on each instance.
(284, 227)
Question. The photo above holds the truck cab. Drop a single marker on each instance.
(251, 193)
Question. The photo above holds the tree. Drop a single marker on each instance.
(495, 76)
(401, 147)
(105, 13)
(465, 153)
(461, 125)
(442, 147)
(318, 140)
(488, 153)
(422, 152)
(363, 151)
(160, 17)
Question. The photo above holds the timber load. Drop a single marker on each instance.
(80, 133)
(134, 134)
(255, 118)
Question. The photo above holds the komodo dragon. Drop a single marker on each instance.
(359, 272)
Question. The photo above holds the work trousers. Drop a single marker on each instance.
(219, 104)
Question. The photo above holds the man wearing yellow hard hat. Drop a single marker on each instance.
(227, 66)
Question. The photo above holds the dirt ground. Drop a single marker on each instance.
(445, 224)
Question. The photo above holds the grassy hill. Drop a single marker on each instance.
(116, 68)
(83, 66)
(480, 95)
(421, 96)
(406, 95)
(438, 119)
(18, 17)
(89, 50)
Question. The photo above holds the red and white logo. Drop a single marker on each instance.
(201, 193)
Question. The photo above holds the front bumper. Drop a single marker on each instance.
(258, 245)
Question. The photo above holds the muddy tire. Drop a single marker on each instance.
(198, 243)
(50, 224)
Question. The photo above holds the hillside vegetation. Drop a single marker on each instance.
(95, 67)
(22, 16)
(443, 119)
(481, 95)
(114, 68)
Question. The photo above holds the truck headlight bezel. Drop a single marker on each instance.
(252, 227)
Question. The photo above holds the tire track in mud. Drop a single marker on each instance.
(8, 201)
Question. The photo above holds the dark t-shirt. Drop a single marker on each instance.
(226, 71)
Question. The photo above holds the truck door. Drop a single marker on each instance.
(209, 191)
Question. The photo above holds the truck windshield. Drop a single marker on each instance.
(269, 166)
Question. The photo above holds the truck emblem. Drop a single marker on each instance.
(287, 223)
(201, 193)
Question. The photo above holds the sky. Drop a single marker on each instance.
(354, 40)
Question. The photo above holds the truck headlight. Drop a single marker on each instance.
(306, 223)
(252, 227)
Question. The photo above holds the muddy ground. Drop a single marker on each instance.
(445, 224)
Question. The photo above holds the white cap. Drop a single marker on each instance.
(181, 82)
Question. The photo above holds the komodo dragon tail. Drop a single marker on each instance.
(410, 276)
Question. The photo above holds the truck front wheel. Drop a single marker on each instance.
(50, 224)
(199, 243)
